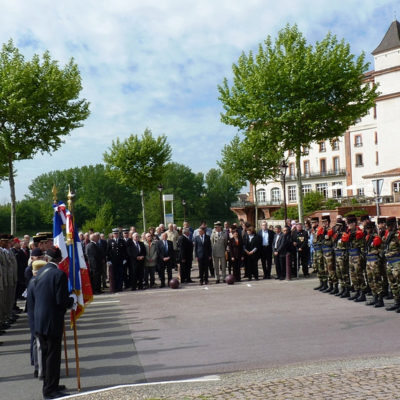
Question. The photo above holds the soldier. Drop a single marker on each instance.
(381, 232)
(392, 255)
(219, 242)
(318, 261)
(3, 294)
(328, 256)
(373, 245)
(340, 240)
(300, 243)
(116, 254)
(356, 254)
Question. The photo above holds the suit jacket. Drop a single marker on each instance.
(134, 252)
(163, 252)
(185, 246)
(103, 247)
(50, 300)
(94, 256)
(202, 249)
(271, 236)
(236, 249)
(279, 243)
(116, 250)
(251, 244)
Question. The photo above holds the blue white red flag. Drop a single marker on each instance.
(58, 235)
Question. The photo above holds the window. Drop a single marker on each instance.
(360, 192)
(322, 147)
(261, 195)
(306, 151)
(292, 193)
(291, 169)
(358, 141)
(359, 160)
(322, 188)
(306, 189)
(376, 137)
(337, 190)
(275, 195)
(335, 144)
(291, 153)
(306, 167)
(322, 165)
(376, 158)
(396, 187)
(336, 164)
(374, 111)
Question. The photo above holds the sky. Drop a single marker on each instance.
(157, 64)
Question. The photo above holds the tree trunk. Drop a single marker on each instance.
(13, 201)
(299, 186)
(143, 211)
(255, 208)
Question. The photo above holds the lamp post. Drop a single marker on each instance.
(283, 166)
(377, 185)
(184, 210)
(160, 188)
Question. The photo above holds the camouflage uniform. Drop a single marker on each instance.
(356, 259)
(328, 254)
(342, 263)
(374, 262)
(318, 261)
(392, 254)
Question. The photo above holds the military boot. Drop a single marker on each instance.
(373, 301)
(379, 302)
(335, 290)
(361, 297)
(368, 290)
(339, 293)
(389, 295)
(328, 288)
(395, 306)
(324, 287)
(355, 295)
(345, 294)
(320, 285)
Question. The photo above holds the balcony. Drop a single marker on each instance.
(260, 203)
(319, 174)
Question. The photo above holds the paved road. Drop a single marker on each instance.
(166, 334)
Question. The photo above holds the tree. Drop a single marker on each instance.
(39, 105)
(248, 161)
(295, 94)
(138, 162)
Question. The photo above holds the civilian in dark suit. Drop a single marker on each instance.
(102, 243)
(94, 257)
(279, 247)
(185, 246)
(137, 252)
(236, 253)
(202, 249)
(49, 299)
(251, 249)
(166, 258)
(116, 254)
(127, 266)
(266, 238)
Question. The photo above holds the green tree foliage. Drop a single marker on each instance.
(292, 213)
(295, 94)
(103, 221)
(138, 162)
(313, 201)
(39, 104)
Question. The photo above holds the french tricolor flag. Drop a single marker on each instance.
(58, 235)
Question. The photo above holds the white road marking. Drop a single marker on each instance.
(93, 303)
(208, 378)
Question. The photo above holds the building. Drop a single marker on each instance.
(346, 167)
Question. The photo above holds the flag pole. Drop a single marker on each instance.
(70, 207)
(54, 191)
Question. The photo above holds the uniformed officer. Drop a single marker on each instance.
(392, 255)
(127, 265)
(328, 256)
(340, 244)
(116, 254)
(373, 245)
(300, 243)
(356, 254)
(318, 259)
(381, 232)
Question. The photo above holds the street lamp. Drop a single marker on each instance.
(377, 185)
(160, 188)
(283, 166)
(184, 210)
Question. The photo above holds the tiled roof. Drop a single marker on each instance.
(391, 40)
(384, 174)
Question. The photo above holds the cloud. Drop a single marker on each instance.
(157, 64)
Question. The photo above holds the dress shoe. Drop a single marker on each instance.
(217, 281)
(61, 388)
(206, 282)
(35, 373)
(55, 395)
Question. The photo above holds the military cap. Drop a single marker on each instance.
(326, 218)
(125, 230)
(46, 235)
(351, 219)
(382, 220)
(391, 221)
(115, 230)
(39, 238)
(315, 219)
(370, 225)
(364, 217)
(218, 223)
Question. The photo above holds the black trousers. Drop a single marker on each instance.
(186, 268)
(51, 361)
(149, 273)
(203, 269)
(95, 278)
(280, 265)
(302, 259)
(252, 267)
(127, 274)
(236, 269)
(161, 272)
(137, 275)
(266, 260)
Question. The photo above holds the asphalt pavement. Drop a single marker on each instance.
(215, 331)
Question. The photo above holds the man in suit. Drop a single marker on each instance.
(185, 246)
(266, 239)
(279, 248)
(116, 254)
(202, 249)
(219, 243)
(50, 300)
(102, 243)
(94, 257)
(136, 253)
(127, 266)
(166, 258)
(251, 249)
